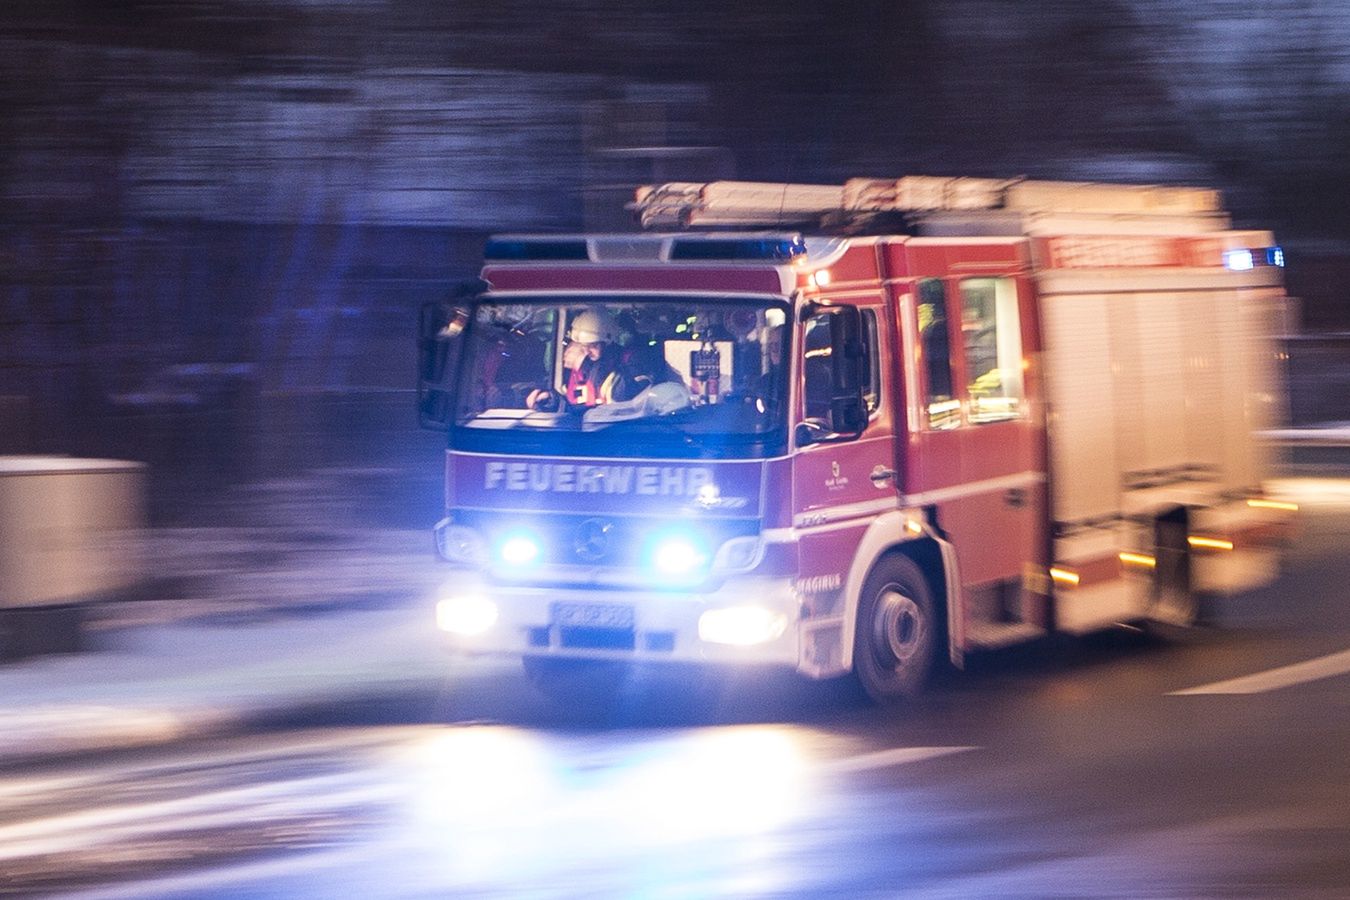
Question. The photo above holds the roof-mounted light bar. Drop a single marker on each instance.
(771, 249)
(524, 249)
(762, 247)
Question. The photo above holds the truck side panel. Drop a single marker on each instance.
(1155, 385)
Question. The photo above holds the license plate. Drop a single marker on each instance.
(593, 615)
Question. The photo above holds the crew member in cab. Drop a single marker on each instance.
(593, 369)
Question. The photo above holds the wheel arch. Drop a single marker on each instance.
(935, 557)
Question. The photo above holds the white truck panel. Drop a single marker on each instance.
(1154, 351)
(1083, 408)
(1151, 385)
(1259, 376)
(1206, 317)
(1081, 609)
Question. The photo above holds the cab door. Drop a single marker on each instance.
(1002, 519)
(840, 482)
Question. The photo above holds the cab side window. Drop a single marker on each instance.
(992, 338)
(872, 365)
(940, 403)
(816, 364)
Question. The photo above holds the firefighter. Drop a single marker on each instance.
(592, 365)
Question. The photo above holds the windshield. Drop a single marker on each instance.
(700, 375)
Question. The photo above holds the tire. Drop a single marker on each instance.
(586, 684)
(897, 635)
(1174, 606)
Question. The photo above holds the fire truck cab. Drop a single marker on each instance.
(856, 428)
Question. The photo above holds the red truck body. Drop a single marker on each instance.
(1007, 409)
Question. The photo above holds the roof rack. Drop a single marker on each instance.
(726, 204)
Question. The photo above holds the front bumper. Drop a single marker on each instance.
(633, 625)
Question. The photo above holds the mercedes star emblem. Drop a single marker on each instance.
(591, 542)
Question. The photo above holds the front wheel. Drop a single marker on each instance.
(896, 639)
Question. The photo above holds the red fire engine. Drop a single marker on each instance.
(851, 428)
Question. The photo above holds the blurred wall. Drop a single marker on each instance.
(220, 216)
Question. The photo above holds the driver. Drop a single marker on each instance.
(592, 365)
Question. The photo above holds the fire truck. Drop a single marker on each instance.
(859, 428)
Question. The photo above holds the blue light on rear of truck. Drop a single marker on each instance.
(1244, 259)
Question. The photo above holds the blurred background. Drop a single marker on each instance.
(221, 216)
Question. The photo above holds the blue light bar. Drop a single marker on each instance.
(527, 249)
(771, 249)
(1275, 256)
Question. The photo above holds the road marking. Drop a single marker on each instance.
(885, 758)
(297, 798)
(1274, 679)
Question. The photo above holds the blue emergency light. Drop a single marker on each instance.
(1242, 260)
(535, 249)
(769, 249)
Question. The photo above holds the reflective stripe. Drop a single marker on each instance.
(583, 391)
(831, 515)
(988, 486)
(845, 512)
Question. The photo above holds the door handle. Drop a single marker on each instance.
(1016, 497)
(880, 475)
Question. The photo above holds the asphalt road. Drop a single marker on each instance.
(1072, 770)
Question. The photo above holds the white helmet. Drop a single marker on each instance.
(592, 326)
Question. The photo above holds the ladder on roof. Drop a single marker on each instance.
(721, 204)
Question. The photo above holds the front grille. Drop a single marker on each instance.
(597, 542)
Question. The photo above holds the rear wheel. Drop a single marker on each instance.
(1175, 605)
(896, 639)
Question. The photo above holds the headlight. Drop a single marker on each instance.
(741, 625)
(739, 554)
(466, 614)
